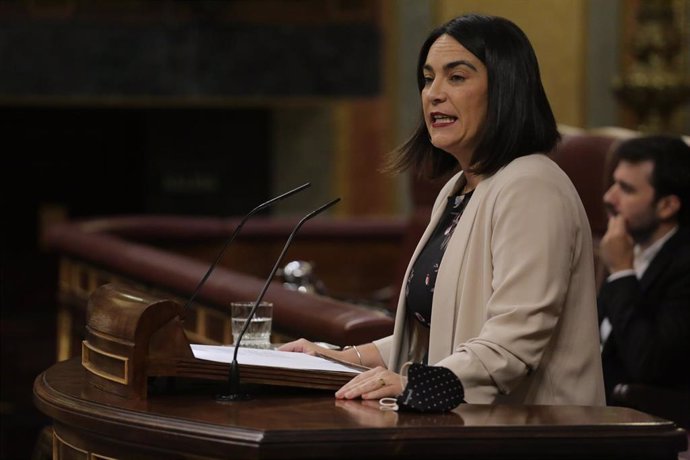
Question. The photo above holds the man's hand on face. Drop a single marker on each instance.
(616, 247)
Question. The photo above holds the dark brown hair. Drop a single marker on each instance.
(519, 118)
(671, 173)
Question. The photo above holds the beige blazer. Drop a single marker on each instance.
(514, 308)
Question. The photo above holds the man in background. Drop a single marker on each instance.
(644, 304)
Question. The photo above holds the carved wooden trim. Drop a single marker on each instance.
(87, 349)
(58, 442)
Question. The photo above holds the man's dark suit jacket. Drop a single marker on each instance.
(650, 318)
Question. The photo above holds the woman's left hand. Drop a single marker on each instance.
(373, 384)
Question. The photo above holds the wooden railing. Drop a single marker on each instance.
(168, 256)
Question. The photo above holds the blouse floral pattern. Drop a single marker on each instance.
(419, 288)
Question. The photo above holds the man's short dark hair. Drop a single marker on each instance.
(519, 118)
(671, 174)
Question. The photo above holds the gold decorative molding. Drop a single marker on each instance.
(655, 83)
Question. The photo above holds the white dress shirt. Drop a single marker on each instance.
(640, 263)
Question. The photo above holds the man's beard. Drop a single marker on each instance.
(641, 233)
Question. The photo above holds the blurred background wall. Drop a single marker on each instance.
(209, 107)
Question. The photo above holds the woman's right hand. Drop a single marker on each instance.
(362, 355)
(303, 346)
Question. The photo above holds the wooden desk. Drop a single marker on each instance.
(300, 424)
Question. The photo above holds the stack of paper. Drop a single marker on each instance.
(270, 367)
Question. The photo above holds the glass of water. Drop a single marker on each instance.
(258, 334)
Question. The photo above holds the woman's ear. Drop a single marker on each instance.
(668, 206)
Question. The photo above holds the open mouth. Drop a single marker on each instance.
(442, 119)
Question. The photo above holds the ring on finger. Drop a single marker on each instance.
(382, 382)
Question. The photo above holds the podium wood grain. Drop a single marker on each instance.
(290, 423)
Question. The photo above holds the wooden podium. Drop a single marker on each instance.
(132, 336)
(102, 410)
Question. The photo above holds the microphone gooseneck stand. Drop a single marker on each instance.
(234, 234)
(234, 387)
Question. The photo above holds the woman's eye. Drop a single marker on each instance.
(428, 79)
(457, 78)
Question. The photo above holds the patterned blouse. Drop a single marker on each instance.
(419, 289)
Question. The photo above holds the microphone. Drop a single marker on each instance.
(234, 234)
(234, 373)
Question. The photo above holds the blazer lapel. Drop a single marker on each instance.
(661, 260)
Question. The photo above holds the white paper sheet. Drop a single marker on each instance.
(269, 358)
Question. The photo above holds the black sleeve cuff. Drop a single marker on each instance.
(431, 389)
